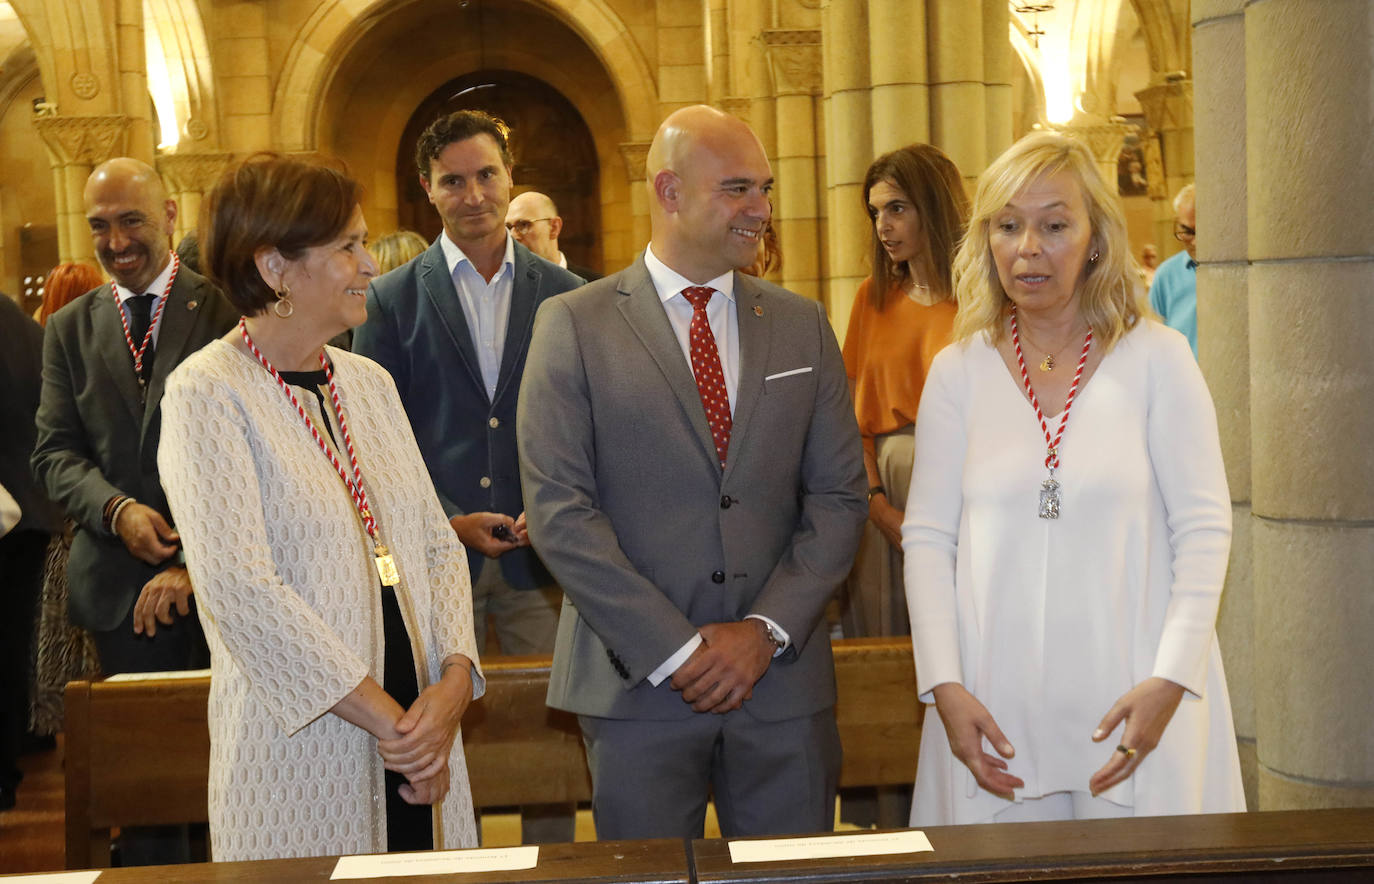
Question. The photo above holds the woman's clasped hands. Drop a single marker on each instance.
(426, 733)
(1146, 710)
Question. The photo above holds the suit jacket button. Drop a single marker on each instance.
(494, 422)
(717, 576)
(725, 502)
(485, 481)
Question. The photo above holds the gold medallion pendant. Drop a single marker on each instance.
(1047, 364)
(386, 567)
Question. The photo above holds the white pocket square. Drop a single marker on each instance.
(784, 374)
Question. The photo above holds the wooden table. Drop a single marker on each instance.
(1289, 846)
(588, 862)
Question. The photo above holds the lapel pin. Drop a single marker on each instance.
(191, 305)
(758, 311)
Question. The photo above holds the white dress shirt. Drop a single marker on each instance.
(156, 288)
(486, 305)
(724, 320)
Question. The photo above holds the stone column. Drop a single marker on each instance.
(718, 83)
(795, 59)
(1224, 321)
(239, 41)
(1308, 77)
(681, 55)
(958, 96)
(849, 150)
(997, 67)
(1169, 112)
(133, 79)
(76, 145)
(188, 176)
(897, 63)
(635, 154)
(749, 74)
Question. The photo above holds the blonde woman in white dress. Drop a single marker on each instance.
(1068, 527)
(334, 595)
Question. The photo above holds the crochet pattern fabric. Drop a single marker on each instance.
(289, 598)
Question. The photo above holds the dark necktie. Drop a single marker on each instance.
(140, 317)
(706, 367)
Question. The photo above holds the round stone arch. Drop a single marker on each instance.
(329, 33)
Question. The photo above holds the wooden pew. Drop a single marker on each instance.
(137, 752)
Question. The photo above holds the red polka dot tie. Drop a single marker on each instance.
(706, 367)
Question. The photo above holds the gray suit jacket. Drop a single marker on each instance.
(416, 330)
(647, 535)
(96, 439)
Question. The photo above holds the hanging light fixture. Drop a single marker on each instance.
(1034, 10)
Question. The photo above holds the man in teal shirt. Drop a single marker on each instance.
(1173, 294)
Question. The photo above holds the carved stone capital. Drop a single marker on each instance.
(1168, 106)
(192, 172)
(1104, 139)
(86, 141)
(736, 107)
(635, 154)
(794, 59)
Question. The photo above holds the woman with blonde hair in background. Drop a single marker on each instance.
(1068, 528)
(395, 249)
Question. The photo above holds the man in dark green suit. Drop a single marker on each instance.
(99, 420)
(452, 326)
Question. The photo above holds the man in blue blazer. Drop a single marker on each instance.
(453, 326)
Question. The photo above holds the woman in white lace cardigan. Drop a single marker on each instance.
(333, 592)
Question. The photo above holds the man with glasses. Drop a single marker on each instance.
(1173, 294)
(534, 222)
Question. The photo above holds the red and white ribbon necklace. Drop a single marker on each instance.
(135, 350)
(386, 566)
(1049, 489)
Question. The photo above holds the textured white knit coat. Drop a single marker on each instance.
(289, 597)
(1049, 622)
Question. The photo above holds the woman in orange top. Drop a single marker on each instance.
(903, 315)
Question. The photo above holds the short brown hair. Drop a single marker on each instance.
(460, 126)
(932, 183)
(268, 201)
(65, 284)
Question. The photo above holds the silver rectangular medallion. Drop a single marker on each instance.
(1049, 499)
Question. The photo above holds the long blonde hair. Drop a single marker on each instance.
(1108, 299)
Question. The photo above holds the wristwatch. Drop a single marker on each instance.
(778, 641)
(875, 491)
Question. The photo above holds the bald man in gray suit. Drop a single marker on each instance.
(694, 479)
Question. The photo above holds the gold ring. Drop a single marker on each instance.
(1129, 753)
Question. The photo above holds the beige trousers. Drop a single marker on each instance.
(874, 602)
